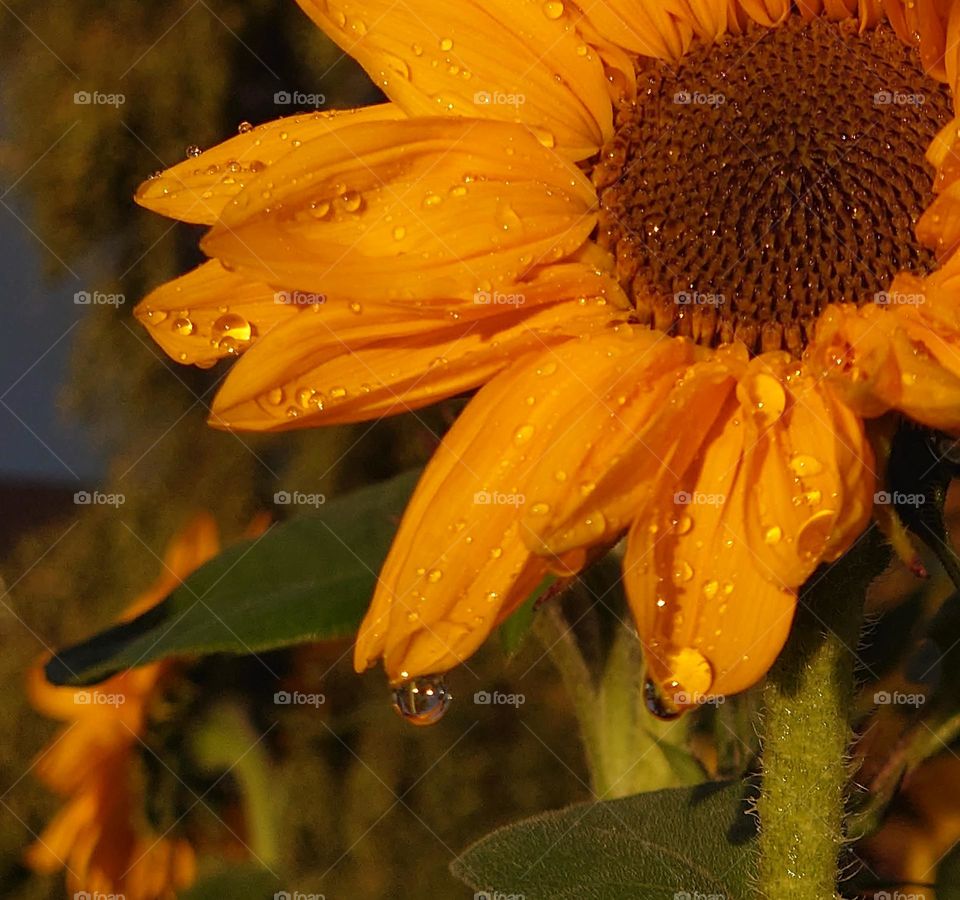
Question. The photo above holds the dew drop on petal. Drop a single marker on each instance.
(422, 701)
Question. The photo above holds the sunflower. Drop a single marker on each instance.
(681, 251)
(101, 836)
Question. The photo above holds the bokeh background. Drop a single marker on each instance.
(367, 806)
(370, 806)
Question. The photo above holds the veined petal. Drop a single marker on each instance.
(368, 212)
(904, 356)
(197, 189)
(711, 615)
(810, 465)
(210, 313)
(643, 407)
(514, 60)
(313, 371)
(660, 30)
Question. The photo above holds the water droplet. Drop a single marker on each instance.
(183, 326)
(540, 509)
(356, 307)
(351, 200)
(523, 434)
(553, 9)
(710, 589)
(338, 392)
(804, 465)
(399, 233)
(193, 151)
(683, 525)
(446, 44)
(767, 397)
(656, 703)
(422, 701)
(773, 535)
(244, 127)
(434, 575)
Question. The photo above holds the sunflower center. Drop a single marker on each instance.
(768, 175)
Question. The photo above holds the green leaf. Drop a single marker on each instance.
(662, 845)
(307, 579)
(245, 882)
(514, 632)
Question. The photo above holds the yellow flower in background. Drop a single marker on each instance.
(682, 249)
(101, 837)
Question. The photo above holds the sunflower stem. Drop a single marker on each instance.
(808, 700)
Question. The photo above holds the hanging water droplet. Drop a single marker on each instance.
(422, 701)
(244, 127)
(656, 703)
(193, 151)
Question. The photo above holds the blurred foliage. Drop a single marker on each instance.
(189, 73)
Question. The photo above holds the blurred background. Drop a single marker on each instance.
(95, 97)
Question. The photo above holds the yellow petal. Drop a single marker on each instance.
(197, 189)
(811, 469)
(711, 616)
(514, 60)
(320, 369)
(648, 27)
(904, 355)
(369, 212)
(643, 404)
(210, 313)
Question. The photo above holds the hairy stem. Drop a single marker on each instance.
(808, 703)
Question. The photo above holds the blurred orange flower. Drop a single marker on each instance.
(629, 224)
(101, 836)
